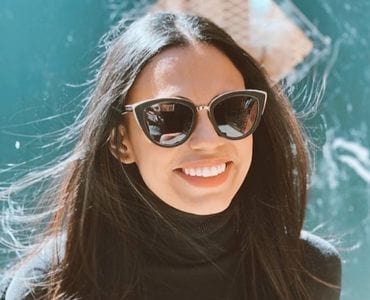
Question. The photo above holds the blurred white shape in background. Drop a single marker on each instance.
(275, 33)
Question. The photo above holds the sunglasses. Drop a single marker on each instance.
(169, 122)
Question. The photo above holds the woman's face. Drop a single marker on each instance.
(198, 72)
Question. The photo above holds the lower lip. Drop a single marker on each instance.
(206, 181)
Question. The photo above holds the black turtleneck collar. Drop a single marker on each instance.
(190, 256)
(185, 238)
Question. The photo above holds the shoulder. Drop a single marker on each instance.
(322, 266)
(17, 284)
(4, 283)
(20, 283)
(319, 254)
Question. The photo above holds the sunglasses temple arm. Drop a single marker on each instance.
(127, 109)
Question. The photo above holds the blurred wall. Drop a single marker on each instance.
(340, 198)
(44, 47)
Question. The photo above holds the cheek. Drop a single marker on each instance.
(250, 150)
(155, 170)
(245, 151)
(137, 141)
(150, 159)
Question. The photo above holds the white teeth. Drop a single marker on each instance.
(206, 171)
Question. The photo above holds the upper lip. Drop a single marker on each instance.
(202, 163)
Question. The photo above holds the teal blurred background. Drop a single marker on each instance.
(46, 49)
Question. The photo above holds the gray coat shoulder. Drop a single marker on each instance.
(20, 284)
(323, 267)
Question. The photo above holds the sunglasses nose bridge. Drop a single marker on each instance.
(202, 107)
(199, 108)
(207, 119)
(210, 115)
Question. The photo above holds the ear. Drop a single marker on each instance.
(120, 146)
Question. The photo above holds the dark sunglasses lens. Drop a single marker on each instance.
(168, 123)
(236, 116)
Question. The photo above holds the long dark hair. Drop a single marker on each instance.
(98, 203)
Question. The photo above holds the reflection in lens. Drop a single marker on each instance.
(236, 116)
(171, 138)
(168, 123)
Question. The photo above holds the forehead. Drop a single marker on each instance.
(196, 71)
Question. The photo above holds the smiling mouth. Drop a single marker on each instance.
(211, 171)
(207, 176)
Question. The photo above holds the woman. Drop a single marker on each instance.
(189, 181)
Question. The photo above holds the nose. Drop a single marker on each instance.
(204, 136)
